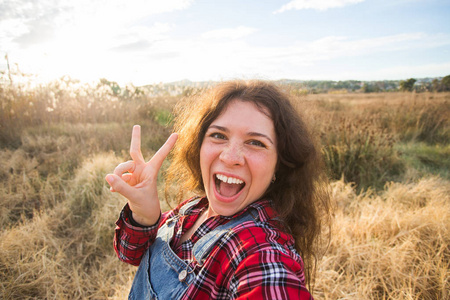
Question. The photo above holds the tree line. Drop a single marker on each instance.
(408, 85)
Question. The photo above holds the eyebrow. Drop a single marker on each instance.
(249, 133)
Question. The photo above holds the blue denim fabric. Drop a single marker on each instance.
(161, 272)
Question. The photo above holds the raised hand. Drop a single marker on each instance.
(136, 179)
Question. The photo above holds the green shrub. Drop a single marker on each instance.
(425, 159)
(360, 152)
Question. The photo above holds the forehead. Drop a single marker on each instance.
(246, 113)
(246, 105)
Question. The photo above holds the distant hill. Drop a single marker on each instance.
(186, 87)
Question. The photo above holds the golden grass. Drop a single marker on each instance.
(395, 245)
(66, 252)
(360, 133)
(391, 233)
(392, 245)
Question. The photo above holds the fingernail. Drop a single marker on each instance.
(110, 179)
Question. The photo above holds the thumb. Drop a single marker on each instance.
(119, 185)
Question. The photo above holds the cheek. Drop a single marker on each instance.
(209, 152)
(202, 160)
(264, 166)
(206, 158)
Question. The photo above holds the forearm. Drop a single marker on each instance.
(132, 240)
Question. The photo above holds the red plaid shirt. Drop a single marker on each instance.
(257, 261)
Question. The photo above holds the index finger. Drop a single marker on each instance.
(162, 153)
(135, 147)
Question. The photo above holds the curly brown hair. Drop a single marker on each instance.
(300, 192)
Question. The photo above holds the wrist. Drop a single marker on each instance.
(140, 221)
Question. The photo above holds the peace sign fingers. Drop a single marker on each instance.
(162, 153)
(135, 147)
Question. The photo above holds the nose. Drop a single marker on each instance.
(232, 155)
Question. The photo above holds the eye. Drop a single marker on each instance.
(217, 135)
(257, 143)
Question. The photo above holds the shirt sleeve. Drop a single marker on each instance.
(269, 275)
(131, 242)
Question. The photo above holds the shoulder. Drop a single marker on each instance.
(262, 234)
(261, 243)
(263, 226)
(263, 261)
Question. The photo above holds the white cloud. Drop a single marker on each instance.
(24, 23)
(140, 37)
(316, 4)
(229, 33)
(308, 52)
(124, 12)
(337, 46)
(213, 59)
(170, 59)
(85, 39)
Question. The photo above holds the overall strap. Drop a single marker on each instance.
(185, 208)
(166, 231)
(204, 245)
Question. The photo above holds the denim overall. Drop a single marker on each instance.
(162, 274)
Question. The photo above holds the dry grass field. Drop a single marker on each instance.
(388, 156)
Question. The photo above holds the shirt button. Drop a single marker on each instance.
(182, 276)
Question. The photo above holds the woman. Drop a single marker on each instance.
(247, 154)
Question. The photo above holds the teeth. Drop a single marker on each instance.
(229, 180)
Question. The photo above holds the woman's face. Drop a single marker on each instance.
(238, 157)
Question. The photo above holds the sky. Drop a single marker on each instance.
(143, 42)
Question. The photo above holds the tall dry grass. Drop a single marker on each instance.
(66, 252)
(68, 102)
(388, 161)
(362, 134)
(394, 245)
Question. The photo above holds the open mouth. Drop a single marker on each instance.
(228, 186)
